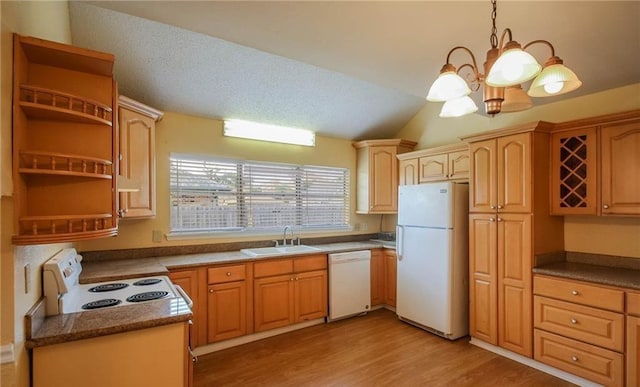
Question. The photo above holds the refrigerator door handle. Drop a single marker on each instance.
(399, 237)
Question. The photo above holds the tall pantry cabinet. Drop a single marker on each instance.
(509, 222)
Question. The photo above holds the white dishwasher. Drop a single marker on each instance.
(349, 284)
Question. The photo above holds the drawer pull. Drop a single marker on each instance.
(228, 274)
(574, 358)
(574, 321)
(574, 292)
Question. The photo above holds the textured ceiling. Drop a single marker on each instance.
(345, 69)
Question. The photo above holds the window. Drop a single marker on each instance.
(210, 194)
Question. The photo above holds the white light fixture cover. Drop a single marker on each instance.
(513, 67)
(458, 107)
(265, 132)
(448, 85)
(554, 80)
(515, 100)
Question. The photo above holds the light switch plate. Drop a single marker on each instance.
(156, 236)
(27, 278)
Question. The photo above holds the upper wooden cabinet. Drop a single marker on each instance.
(449, 162)
(137, 172)
(596, 152)
(64, 149)
(377, 175)
(501, 174)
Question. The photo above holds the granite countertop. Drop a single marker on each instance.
(62, 328)
(621, 272)
(103, 270)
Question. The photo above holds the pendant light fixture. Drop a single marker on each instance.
(507, 66)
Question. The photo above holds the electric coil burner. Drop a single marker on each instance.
(63, 294)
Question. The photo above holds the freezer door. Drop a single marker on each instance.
(426, 205)
(424, 289)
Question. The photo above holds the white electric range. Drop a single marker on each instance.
(64, 294)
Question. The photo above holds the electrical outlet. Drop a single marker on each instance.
(364, 226)
(27, 278)
(156, 236)
(356, 226)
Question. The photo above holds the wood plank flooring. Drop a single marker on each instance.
(373, 350)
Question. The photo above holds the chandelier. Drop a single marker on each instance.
(507, 66)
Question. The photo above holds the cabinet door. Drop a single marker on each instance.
(483, 278)
(514, 173)
(226, 311)
(620, 146)
(391, 277)
(188, 281)
(433, 168)
(137, 164)
(310, 291)
(515, 320)
(482, 185)
(633, 348)
(574, 172)
(378, 263)
(408, 172)
(383, 184)
(273, 302)
(459, 165)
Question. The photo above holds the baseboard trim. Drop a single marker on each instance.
(7, 354)
(534, 364)
(209, 348)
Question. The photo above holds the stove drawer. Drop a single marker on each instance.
(591, 325)
(587, 361)
(221, 274)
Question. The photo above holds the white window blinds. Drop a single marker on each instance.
(219, 194)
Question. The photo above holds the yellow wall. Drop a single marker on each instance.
(180, 133)
(601, 235)
(47, 20)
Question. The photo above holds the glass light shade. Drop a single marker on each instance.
(515, 100)
(458, 107)
(513, 67)
(448, 85)
(273, 133)
(554, 80)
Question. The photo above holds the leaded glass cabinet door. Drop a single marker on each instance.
(574, 172)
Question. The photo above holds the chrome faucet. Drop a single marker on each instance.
(284, 235)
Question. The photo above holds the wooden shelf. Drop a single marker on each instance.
(51, 163)
(48, 104)
(40, 229)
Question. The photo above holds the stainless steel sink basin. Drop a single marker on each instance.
(280, 250)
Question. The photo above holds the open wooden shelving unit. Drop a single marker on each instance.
(64, 143)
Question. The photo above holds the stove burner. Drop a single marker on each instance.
(147, 281)
(147, 296)
(108, 287)
(101, 303)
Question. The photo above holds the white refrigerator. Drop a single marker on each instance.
(432, 246)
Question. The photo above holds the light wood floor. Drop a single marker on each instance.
(373, 350)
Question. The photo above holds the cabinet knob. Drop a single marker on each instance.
(574, 321)
(228, 274)
(499, 219)
(210, 290)
(606, 206)
(492, 220)
(296, 278)
(493, 207)
(574, 358)
(574, 292)
(291, 279)
(499, 207)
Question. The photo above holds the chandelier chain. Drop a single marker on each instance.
(494, 30)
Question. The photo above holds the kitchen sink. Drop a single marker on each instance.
(280, 250)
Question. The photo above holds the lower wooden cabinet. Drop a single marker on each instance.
(188, 281)
(226, 311)
(391, 277)
(633, 339)
(378, 279)
(288, 291)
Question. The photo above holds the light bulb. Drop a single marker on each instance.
(553, 87)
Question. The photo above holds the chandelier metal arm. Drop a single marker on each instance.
(553, 52)
(476, 81)
(474, 66)
(501, 45)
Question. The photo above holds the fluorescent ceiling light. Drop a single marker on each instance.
(273, 133)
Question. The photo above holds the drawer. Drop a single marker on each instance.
(580, 293)
(591, 325)
(587, 361)
(633, 304)
(269, 268)
(216, 275)
(310, 263)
